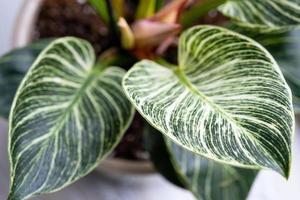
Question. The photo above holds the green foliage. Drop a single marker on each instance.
(13, 67)
(285, 47)
(227, 100)
(146, 8)
(264, 15)
(68, 114)
(225, 106)
(207, 179)
(101, 8)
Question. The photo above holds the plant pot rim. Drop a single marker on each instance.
(24, 23)
(22, 35)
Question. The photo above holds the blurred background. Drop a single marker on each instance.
(16, 30)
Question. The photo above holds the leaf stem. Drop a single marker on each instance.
(112, 21)
(146, 8)
(118, 6)
(99, 6)
(163, 62)
(199, 10)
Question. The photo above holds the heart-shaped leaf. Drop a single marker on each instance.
(67, 115)
(206, 179)
(264, 15)
(227, 100)
(13, 67)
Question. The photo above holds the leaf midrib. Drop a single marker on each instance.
(91, 76)
(186, 82)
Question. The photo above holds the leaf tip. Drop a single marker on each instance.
(287, 171)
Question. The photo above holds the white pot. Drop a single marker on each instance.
(22, 36)
(23, 29)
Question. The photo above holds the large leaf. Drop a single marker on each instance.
(13, 67)
(67, 116)
(227, 100)
(264, 15)
(207, 179)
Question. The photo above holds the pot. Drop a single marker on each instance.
(22, 35)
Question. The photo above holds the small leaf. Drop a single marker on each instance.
(206, 179)
(101, 8)
(264, 15)
(13, 67)
(199, 9)
(68, 114)
(227, 100)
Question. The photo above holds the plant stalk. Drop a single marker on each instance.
(146, 8)
(199, 10)
(118, 6)
(112, 21)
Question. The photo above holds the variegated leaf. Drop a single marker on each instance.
(285, 47)
(209, 180)
(264, 15)
(286, 50)
(227, 100)
(67, 116)
(13, 67)
(206, 179)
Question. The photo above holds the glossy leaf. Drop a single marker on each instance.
(13, 67)
(227, 100)
(68, 114)
(264, 15)
(206, 179)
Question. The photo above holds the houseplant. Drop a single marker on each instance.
(224, 109)
(42, 19)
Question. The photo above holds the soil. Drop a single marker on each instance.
(58, 18)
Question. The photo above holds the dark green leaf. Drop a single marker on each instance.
(101, 8)
(13, 67)
(159, 155)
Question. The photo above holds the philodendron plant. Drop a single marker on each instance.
(218, 110)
